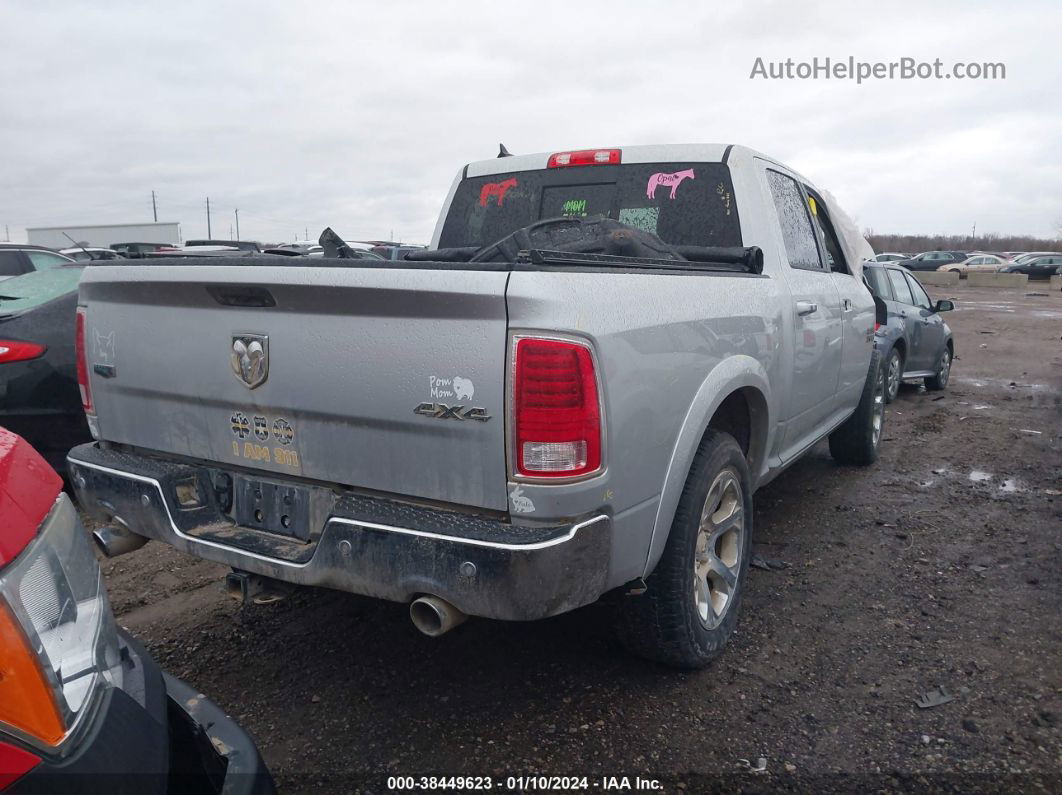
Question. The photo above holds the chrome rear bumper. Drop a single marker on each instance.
(370, 546)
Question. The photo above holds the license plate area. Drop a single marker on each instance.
(274, 507)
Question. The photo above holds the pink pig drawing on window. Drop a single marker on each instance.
(672, 180)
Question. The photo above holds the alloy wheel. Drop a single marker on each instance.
(895, 371)
(721, 541)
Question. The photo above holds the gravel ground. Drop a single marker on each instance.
(939, 566)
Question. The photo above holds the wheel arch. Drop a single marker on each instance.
(735, 397)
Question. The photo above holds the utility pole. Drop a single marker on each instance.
(7, 233)
(306, 233)
(154, 207)
(237, 223)
(974, 234)
(209, 235)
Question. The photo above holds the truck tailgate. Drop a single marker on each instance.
(350, 353)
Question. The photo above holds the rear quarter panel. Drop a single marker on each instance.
(669, 348)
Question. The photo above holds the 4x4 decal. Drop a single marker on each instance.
(441, 411)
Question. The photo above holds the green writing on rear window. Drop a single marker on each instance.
(575, 207)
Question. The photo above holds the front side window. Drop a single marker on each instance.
(11, 263)
(795, 221)
(918, 294)
(831, 245)
(900, 288)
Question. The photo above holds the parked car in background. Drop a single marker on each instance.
(200, 251)
(242, 245)
(83, 707)
(890, 257)
(91, 253)
(18, 258)
(1037, 267)
(395, 252)
(134, 250)
(915, 342)
(300, 246)
(39, 397)
(983, 263)
(932, 260)
(1020, 258)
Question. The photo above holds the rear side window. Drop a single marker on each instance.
(43, 260)
(879, 282)
(690, 204)
(900, 288)
(793, 216)
(11, 263)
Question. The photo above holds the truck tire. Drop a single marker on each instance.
(937, 382)
(858, 438)
(692, 598)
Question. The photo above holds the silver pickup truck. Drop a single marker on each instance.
(574, 391)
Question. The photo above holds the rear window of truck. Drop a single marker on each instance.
(689, 204)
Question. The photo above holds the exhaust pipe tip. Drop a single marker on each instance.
(434, 616)
(115, 541)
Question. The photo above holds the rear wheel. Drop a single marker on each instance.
(691, 602)
(893, 375)
(857, 440)
(937, 382)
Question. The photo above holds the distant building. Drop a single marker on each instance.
(104, 234)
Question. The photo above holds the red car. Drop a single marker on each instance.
(83, 708)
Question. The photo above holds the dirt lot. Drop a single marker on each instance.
(941, 565)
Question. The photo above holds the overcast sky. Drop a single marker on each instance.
(358, 115)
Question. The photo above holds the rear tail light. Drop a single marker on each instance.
(82, 363)
(18, 351)
(585, 157)
(556, 411)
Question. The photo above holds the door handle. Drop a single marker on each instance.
(806, 307)
(847, 304)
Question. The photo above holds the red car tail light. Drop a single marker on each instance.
(82, 363)
(556, 411)
(19, 351)
(584, 157)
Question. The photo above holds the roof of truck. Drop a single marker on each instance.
(644, 153)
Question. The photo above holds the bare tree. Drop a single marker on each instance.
(990, 242)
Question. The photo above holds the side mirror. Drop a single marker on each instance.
(944, 305)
